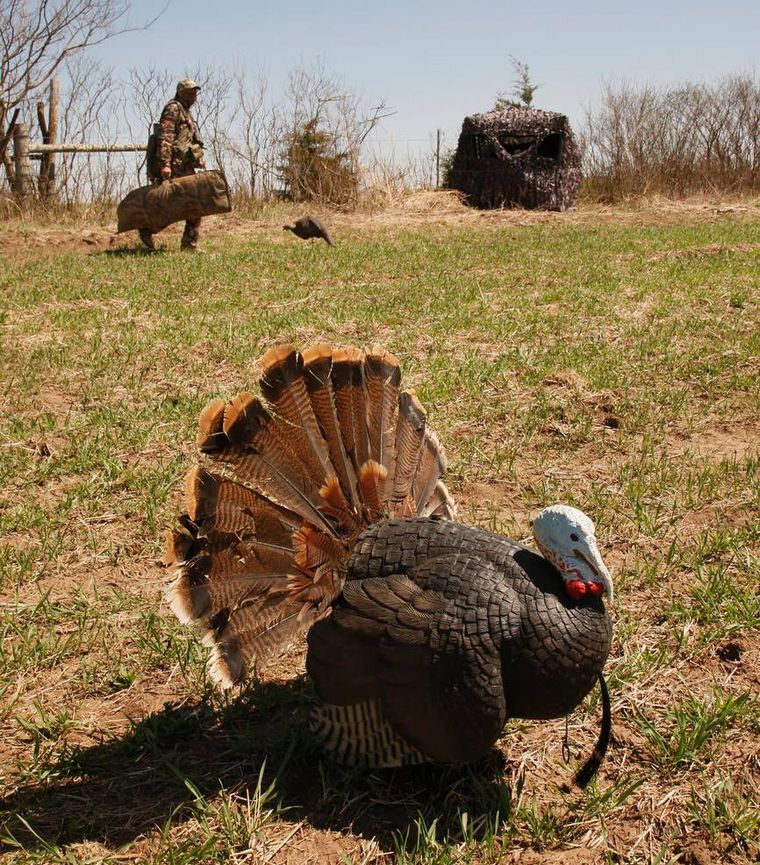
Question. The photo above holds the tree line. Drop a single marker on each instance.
(309, 143)
(691, 138)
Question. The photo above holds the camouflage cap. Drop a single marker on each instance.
(187, 84)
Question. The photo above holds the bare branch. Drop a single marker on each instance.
(36, 38)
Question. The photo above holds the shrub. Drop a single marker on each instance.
(677, 141)
(314, 167)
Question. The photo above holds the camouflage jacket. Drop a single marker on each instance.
(180, 146)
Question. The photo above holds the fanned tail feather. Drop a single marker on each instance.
(282, 384)
(430, 467)
(440, 504)
(255, 445)
(347, 379)
(317, 364)
(213, 574)
(245, 641)
(214, 502)
(332, 446)
(334, 504)
(382, 375)
(372, 480)
(410, 432)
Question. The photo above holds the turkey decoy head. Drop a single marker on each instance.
(566, 538)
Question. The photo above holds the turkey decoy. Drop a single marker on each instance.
(424, 634)
(308, 227)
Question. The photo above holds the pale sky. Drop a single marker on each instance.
(435, 63)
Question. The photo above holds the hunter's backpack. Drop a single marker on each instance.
(152, 166)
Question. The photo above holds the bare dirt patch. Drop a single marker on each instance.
(51, 242)
(569, 856)
(721, 442)
(24, 239)
(304, 845)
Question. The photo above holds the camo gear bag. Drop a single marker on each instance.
(190, 197)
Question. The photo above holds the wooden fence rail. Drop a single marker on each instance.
(24, 152)
(18, 166)
(85, 148)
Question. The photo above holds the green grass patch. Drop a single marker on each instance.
(611, 364)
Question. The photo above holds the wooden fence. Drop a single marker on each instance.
(24, 152)
(19, 166)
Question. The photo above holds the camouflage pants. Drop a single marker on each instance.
(192, 226)
(191, 233)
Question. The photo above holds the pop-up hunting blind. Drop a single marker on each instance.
(517, 157)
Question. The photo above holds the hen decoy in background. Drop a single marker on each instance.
(308, 227)
(424, 634)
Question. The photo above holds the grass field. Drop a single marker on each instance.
(608, 359)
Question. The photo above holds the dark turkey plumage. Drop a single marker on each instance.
(308, 227)
(452, 629)
(424, 635)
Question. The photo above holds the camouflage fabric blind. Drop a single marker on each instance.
(180, 146)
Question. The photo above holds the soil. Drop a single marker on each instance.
(18, 240)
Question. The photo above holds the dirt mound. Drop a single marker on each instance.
(36, 241)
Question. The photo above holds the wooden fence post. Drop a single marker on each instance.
(22, 165)
(55, 92)
(42, 182)
(49, 130)
(438, 159)
(5, 159)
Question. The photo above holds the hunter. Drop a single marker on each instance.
(180, 152)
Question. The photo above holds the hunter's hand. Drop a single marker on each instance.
(166, 172)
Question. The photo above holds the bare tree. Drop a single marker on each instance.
(37, 37)
(327, 121)
(93, 105)
(216, 111)
(677, 141)
(151, 88)
(251, 143)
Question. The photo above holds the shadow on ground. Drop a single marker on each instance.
(130, 252)
(125, 787)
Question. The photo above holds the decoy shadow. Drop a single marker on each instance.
(127, 786)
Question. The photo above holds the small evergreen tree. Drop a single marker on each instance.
(314, 167)
(447, 165)
(522, 88)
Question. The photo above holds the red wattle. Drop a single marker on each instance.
(575, 588)
(595, 588)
